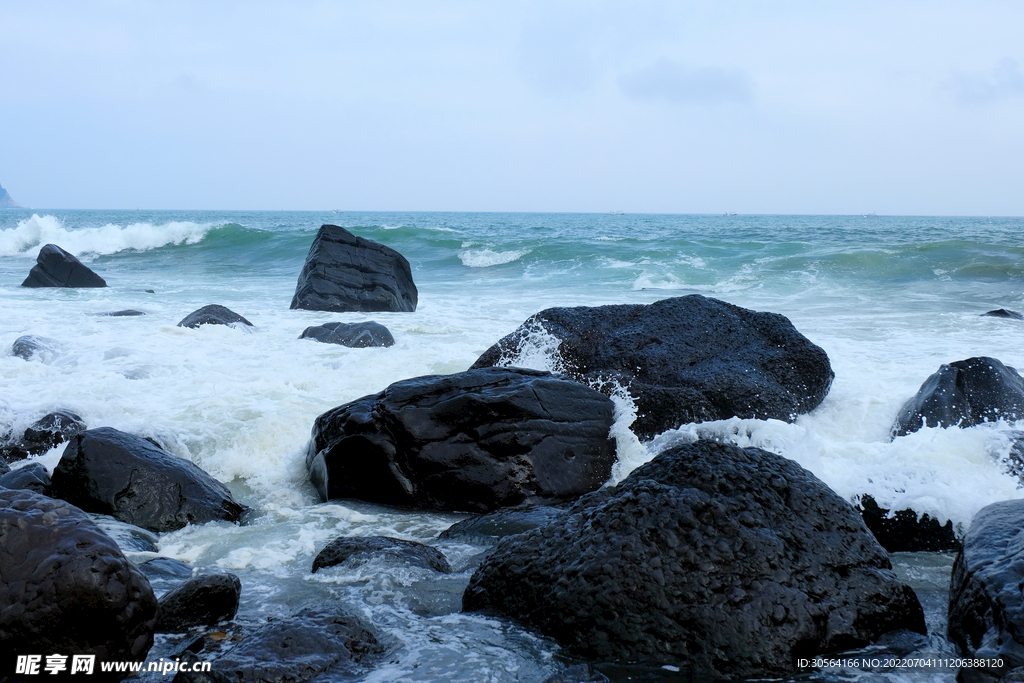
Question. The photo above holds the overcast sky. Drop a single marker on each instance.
(799, 106)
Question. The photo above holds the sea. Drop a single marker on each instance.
(889, 298)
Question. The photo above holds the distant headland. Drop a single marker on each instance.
(5, 200)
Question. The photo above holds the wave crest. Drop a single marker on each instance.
(483, 258)
(32, 233)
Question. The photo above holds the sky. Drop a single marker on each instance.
(763, 106)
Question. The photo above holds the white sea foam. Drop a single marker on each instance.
(484, 258)
(32, 233)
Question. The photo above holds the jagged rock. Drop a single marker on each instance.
(213, 314)
(31, 347)
(343, 272)
(203, 601)
(1003, 313)
(355, 335)
(66, 587)
(727, 562)
(904, 532)
(986, 604)
(686, 359)
(408, 552)
(57, 268)
(473, 441)
(963, 394)
(31, 477)
(45, 433)
(107, 471)
(496, 525)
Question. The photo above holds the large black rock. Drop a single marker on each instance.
(203, 601)
(66, 588)
(127, 477)
(355, 335)
(986, 603)
(727, 562)
(408, 552)
(57, 268)
(963, 394)
(213, 314)
(473, 441)
(687, 359)
(343, 272)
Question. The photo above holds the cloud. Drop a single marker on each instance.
(1004, 81)
(678, 83)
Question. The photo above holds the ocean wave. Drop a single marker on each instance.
(483, 258)
(32, 233)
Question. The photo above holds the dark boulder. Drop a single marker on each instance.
(727, 562)
(214, 314)
(1003, 313)
(57, 268)
(67, 588)
(986, 603)
(493, 526)
(127, 313)
(34, 347)
(407, 552)
(905, 531)
(472, 441)
(107, 471)
(687, 359)
(203, 601)
(343, 272)
(963, 394)
(48, 431)
(355, 335)
(315, 642)
(31, 477)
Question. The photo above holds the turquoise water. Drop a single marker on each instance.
(889, 299)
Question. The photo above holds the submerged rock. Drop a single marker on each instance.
(34, 347)
(127, 313)
(473, 441)
(107, 471)
(343, 272)
(57, 268)
(213, 314)
(687, 359)
(1003, 313)
(493, 526)
(727, 562)
(904, 532)
(355, 335)
(408, 552)
(45, 433)
(963, 394)
(203, 601)
(67, 588)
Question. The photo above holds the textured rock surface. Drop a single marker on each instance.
(473, 441)
(203, 601)
(213, 314)
(107, 471)
(408, 552)
(727, 562)
(963, 394)
(57, 268)
(687, 359)
(496, 525)
(343, 272)
(905, 531)
(355, 335)
(986, 603)
(66, 587)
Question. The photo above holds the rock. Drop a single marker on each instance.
(727, 562)
(214, 314)
(203, 601)
(296, 649)
(580, 673)
(57, 268)
(4, 469)
(127, 313)
(986, 604)
(34, 347)
(355, 335)
(31, 477)
(113, 473)
(161, 567)
(963, 394)
(1003, 313)
(343, 272)
(686, 359)
(407, 552)
(473, 441)
(496, 525)
(45, 433)
(67, 588)
(904, 532)
(129, 538)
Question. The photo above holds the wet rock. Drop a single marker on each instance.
(34, 347)
(986, 604)
(904, 532)
(31, 477)
(4, 469)
(214, 314)
(315, 642)
(203, 601)
(343, 272)
(107, 471)
(728, 562)
(45, 433)
(129, 538)
(407, 552)
(165, 567)
(1003, 313)
(57, 268)
(963, 394)
(127, 313)
(686, 359)
(66, 587)
(473, 441)
(355, 335)
(496, 525)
